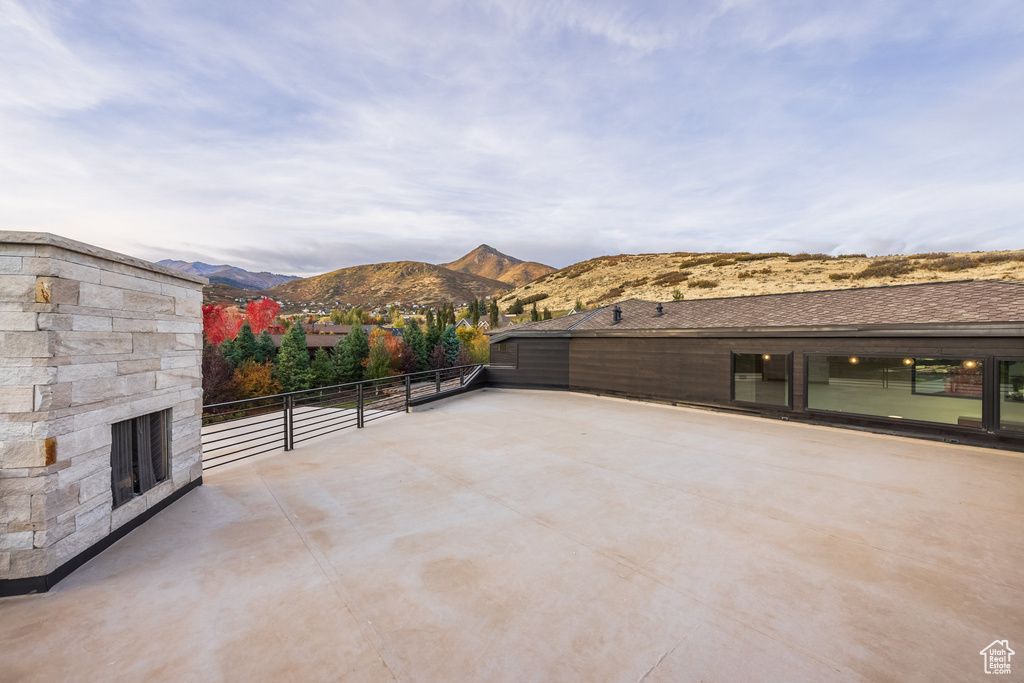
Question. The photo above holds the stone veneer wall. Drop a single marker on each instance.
(88, 338)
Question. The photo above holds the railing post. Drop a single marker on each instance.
(437, 382)
(462, 376)
(289, 437)
(408, 391)
(359, 405)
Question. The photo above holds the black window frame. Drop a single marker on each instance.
(753, 404)
(997, 416)
(989, 391)
(129, 469)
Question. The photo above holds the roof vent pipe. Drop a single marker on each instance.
(658, 314)
(616, 315)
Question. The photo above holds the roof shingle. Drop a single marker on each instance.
(970, 301)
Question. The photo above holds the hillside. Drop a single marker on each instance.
(608, 279)
(407, 282)
(488, 262)
(229, 275)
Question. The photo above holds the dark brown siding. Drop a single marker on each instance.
(698, 370)
(540, 363)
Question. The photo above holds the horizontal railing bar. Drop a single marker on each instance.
(307, 423)
(273, 442)
(239, 443)
(276, 418)
(326, 429)
(335, 420)
(241, 457)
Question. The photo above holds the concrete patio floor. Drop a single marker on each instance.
(533, 536)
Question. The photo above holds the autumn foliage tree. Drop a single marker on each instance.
(221, 322)
(252, 380)
(260, 314)
(379, 362)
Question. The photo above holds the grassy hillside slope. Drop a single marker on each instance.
(607, 279)
(407, 282)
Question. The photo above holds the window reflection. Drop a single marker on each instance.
(943, 390)
(1011, 395)
(761, 378)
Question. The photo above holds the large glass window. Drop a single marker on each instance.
(761, 378)
(1011, 395)
(944, 390)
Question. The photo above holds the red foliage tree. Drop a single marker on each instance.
(260, 314)
(221, 322)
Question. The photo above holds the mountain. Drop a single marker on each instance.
(607, 279)
(490, 263)
(381, 283)
(229, 275)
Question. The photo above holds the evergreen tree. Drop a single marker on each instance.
(474, 312)
(355, 349)
(534, 315)
(547, 314)
(430, 320)
(227, 350)
(292, 368)
(450, 342)
(413, 336)
(322, 372)
(244, 347)
(579, 304)
(516, 308)
(493, 313)
(433, 336)
(265, 349)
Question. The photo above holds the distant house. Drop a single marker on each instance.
(465, 322)
(316, 338)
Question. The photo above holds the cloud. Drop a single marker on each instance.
(300, 139)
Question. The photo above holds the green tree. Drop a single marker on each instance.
(474, 313)
(534, 315)
(292, 367)
(516, 308)
(244, 347)
(450, 342)
(265, 349)
(579, 304)
(677, 295)
(413, 336)
(493, 313)
(355, 349)
(227, 349)
(378, 363)
(337, 316)
(433, 338)
(547, 314)
(322, 372)
(430, 320)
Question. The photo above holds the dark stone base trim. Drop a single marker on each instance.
(41, 584)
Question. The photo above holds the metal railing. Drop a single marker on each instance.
(236, 430)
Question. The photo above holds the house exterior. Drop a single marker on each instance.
(101, 401)
(938, 360)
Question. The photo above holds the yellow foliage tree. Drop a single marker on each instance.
(468, 335)
(252, 380)
(480, 350)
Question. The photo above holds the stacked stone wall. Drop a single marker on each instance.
(87, 338)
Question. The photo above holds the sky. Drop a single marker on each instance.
(300, 137)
